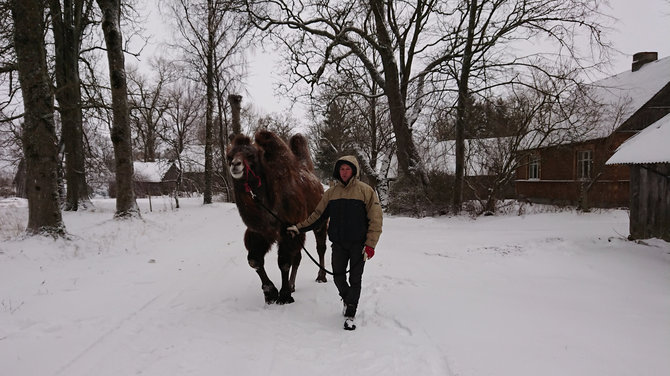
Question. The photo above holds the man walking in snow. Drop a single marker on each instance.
(354, 229)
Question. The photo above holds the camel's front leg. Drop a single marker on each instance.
(288, 260)
(257, 246)
(269, 290)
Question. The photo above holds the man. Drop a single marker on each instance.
(354, 229)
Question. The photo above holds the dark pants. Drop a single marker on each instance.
(342, 255)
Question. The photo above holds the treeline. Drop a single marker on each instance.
(416, 89)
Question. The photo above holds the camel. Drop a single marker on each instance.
(275, 186)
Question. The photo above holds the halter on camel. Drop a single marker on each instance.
(247, 187)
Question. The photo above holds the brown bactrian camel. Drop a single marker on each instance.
(272, 178)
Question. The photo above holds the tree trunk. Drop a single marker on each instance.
(68, 30)
(39, 132)
(150, 143)
(209, 133)
(126, 206)
(409, 162)
(462, 111)
(209, 116)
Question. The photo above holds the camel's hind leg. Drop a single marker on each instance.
(257, 246)
(297, 257)
(320, 234)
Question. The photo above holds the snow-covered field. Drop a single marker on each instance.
(560, 293)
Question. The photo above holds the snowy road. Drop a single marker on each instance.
(550, 294)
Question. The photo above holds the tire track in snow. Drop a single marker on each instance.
(174, 267)
(101, 338)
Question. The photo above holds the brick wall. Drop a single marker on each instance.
(559, 183)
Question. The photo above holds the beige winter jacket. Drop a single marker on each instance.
(353, 209)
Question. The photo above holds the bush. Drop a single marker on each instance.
(407, 197)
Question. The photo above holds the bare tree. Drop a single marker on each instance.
(148, 104)
(354, 124)
(214, 34)
(70, 20)
(126, 206)
(11, 110)
(7, 55)
(39, 131)
(8, 65)
(385, 37)
(182, 118)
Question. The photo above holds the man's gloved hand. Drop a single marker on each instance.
(368, 252)
(292, 230)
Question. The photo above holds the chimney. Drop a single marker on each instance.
(642, 58)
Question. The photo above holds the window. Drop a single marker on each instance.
(534, 167)
(584, 163)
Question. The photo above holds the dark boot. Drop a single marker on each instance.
(349, 324)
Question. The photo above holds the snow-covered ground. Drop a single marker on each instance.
(560, 293)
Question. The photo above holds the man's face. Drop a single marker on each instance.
(345, 172)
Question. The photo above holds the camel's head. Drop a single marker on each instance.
(241, 155)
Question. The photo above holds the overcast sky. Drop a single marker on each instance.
(642, 25)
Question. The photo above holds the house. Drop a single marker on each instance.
(648, 156)
(152, 178)
(575, 172)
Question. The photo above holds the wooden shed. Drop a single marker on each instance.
(648, 156)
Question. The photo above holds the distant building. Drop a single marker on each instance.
(151, 178)
(571, 172)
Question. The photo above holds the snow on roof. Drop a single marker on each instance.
(620, 97)
(625, 93)
(651, 145)
(151, 172)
